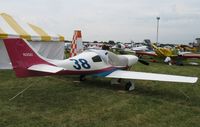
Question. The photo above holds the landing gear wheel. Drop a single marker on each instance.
(129, 86)
(82, 78)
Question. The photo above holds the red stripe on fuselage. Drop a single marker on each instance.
(28, 73)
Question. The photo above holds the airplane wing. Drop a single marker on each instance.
(151, 76)
(45, 68)
(146, 53)
(191, 55)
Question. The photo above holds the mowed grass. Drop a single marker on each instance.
(58, 101)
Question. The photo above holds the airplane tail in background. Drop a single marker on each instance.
(162, 52)
(77, 44)
(22, 56)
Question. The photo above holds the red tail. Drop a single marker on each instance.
(22, 56)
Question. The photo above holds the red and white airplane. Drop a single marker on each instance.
(26, 63)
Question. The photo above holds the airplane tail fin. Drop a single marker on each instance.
(163, 52)
(22, 56)
(77, 44)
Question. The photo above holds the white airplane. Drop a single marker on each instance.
(26, 62)
(139, 47)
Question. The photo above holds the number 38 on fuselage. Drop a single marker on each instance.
(97, 60)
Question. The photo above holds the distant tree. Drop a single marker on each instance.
(95, 41)
(111, 42)
(105, 47)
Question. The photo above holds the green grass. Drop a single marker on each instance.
(57, 101)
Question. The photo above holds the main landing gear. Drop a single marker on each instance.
(82, 78)
(129, 84)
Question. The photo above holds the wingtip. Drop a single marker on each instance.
(192, 80)
(195, 80)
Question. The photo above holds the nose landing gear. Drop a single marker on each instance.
(129, 84)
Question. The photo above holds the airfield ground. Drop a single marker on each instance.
(57, 101)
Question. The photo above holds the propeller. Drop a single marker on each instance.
(143, 61)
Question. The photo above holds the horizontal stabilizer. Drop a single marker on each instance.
(45, 68)
(151, 76)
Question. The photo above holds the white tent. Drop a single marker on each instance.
(47, 44)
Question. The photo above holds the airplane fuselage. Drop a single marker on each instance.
(94, 62)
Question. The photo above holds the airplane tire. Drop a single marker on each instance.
(82, 78)
(128, 85)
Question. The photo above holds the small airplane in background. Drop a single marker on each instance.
(175, 55)
(99, 63)
(139, 48)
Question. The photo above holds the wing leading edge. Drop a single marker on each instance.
(151, 76)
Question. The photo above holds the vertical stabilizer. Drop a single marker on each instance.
(22, 56)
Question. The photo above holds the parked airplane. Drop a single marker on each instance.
(164, 53)
(139, 48)
(26, 62)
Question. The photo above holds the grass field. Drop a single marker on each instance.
(57, 101)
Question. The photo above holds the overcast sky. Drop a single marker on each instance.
(118, 20)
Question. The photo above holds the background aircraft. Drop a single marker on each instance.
(175, 55)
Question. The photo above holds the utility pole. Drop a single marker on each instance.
(158, 18)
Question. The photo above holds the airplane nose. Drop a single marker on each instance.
(131, 59)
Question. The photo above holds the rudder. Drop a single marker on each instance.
(22, 56)
(77, 44)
